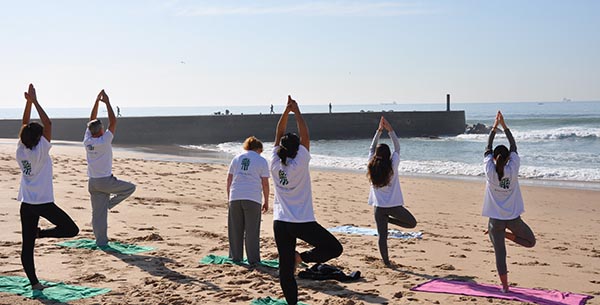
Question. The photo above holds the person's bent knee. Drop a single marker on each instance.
(336, 250)
(530, 244)
(73, 231)
(411, 225)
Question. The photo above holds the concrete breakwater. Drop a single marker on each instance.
(212, 129)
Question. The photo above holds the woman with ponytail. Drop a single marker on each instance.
(36, 192)
(385, 194)
(293, 215)
(503, 203)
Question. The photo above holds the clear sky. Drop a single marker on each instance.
(200, 53)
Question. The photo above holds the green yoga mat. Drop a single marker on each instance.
(112, 246)
(58, 292)
(220, 260)
(271, 301)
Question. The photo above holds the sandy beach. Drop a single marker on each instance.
(180, 209)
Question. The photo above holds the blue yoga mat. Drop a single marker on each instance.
(373, 232)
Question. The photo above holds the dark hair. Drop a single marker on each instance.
(252, 143)
(288, 147)
(501, 155)
(95, 126)
(31, 134)
(380, 169)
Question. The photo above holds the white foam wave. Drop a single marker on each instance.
(562, 133)
(447, 168)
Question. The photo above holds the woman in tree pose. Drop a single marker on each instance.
(503, 203)
(36, 192)
(293, 215)
(385, 194)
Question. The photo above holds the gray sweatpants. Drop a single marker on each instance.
(106, 193)
(244, 216)
(497, 231)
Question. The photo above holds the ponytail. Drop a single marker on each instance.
(380, 169)
(282, 153)
(501, 155)
(288, 148)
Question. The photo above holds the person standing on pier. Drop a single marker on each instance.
(106, 191)
(36, 192)
(385, 194)
(293, 215)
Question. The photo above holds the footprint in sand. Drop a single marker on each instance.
(572, 265)
(445, 267)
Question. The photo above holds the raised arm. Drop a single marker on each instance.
(27, 111)
(94, 114)
(282, 124)
(112, 118)
(31, 97)
(509, 136)
(302, 127)
(490, 142)
(392, 134)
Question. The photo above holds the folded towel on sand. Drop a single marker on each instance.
(542, 297)
(212, 259)
(373, 232)
(112, 246)
(271, 301)
(57, 292)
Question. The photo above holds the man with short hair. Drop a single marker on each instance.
(106, 190)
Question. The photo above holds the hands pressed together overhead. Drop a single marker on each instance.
(384, 124)
(102, 97)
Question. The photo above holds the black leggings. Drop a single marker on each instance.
(30, 217)
(326, 247)
(396, 215)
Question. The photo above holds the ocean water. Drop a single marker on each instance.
(559, 142)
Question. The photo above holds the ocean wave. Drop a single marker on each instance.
(562, 133)
(553, 166)
(452, 168)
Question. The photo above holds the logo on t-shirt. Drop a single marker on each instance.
(505, 183)
(245, 164)
(89, 147)
(26, 167)
(283, 180)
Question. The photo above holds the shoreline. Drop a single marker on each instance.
(177, 153)
(180, 209)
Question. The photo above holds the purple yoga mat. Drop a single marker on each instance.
(542, 297)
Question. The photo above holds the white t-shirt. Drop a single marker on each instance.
(36, 168)
(293, 194)
(391, 194)
(503, 198)
(99, 154)
(248, 169)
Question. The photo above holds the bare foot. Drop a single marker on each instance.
(504, 280)
(510, 236)
(298, 261)
(38, 286)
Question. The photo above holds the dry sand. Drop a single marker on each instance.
(180, 208)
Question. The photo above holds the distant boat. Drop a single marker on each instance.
(392, 103)
(566, 99)
(540, 103)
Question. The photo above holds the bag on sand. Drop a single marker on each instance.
(327, 272)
